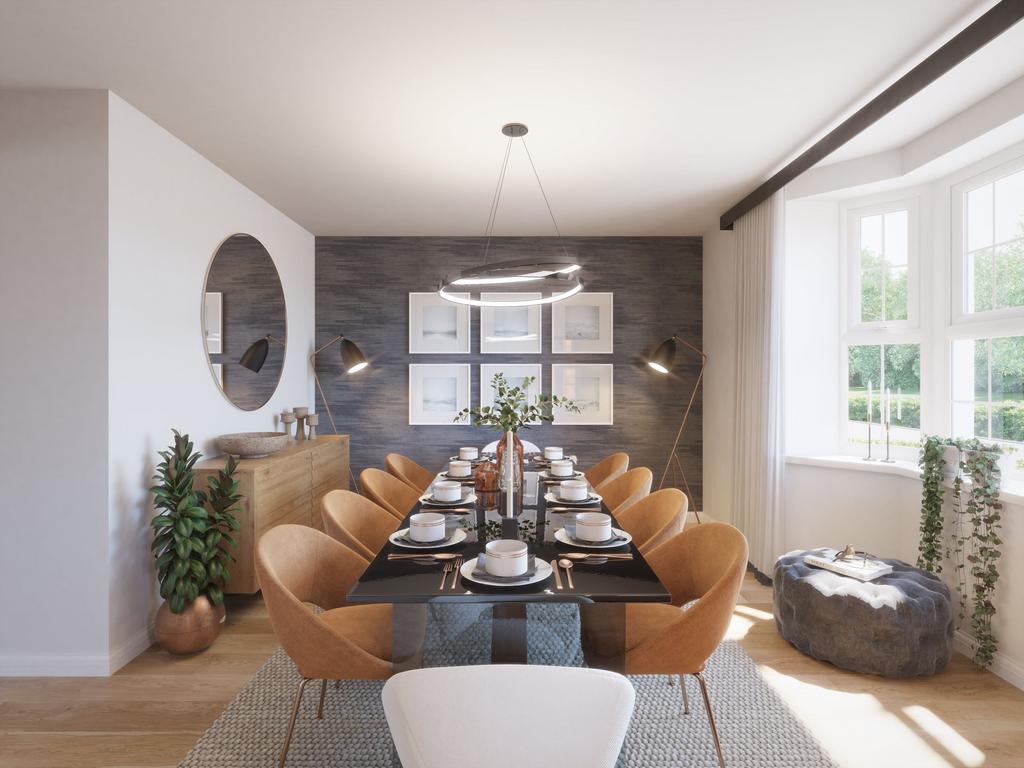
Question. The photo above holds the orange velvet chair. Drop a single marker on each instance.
(408, 471)
(704, 564)
(607, 469)
(654, 519)
(357, 522)
(298, 565)
(627, 489)
(388, 491)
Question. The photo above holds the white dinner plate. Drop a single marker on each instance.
(458, 478)
(551, 498)
(545, 475)
(458, 536)
(563, 538)
(467, 500)
(471, 461)
(542, 572)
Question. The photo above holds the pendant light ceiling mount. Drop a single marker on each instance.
(553, 279)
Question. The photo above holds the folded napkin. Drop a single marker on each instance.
(480, 573)
(570, 531)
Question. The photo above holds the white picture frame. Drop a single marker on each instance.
(514, 372)
(213, 322)
(438, 392)
(437, 326)
(218, 373)
(591, 386)
(510, 330)
(582, 324)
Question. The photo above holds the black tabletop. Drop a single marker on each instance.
(396, 581)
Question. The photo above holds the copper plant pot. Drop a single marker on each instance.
(192, 630)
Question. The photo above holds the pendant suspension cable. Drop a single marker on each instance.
(493, 214)
(544, 194)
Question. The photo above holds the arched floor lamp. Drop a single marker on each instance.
(662, 361)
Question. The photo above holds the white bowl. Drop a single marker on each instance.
(561, 468)
(468, 453)
(593, 526)
(447, 490)
(426, 526)
(573, 490)
(553, 453)
(460, 469)
(505, 557)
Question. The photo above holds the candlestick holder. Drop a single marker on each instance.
(888, 459)
(869, 457)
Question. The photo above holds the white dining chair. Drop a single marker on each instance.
(528, 447)
(450, 716)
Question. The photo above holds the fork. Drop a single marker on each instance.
(444, 573)
(456, 567)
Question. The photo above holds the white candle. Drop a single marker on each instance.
(869, 402)
(888, 405)
(899, 404)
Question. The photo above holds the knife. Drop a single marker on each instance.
(558, 576)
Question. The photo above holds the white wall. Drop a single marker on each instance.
(53, 348)
(719, 396)
(170, 209)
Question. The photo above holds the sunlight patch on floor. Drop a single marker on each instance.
(933, 725)
(852, 726)
(754, 613)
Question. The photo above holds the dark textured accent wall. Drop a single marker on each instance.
(362, 287)
(253, 307)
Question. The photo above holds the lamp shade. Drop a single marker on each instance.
(664, 357)
(352, 358)
(256, 355)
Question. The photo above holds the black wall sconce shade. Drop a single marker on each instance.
(256, 355)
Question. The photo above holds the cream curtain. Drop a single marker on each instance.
(759, 452)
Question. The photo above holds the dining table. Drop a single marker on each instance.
(600, 589)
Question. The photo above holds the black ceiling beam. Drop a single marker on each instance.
(979, 33)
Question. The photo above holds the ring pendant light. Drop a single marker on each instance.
(553, 279)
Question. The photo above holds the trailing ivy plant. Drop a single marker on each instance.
(188, 540)
(975, 535)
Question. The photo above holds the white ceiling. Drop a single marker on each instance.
(647, 117)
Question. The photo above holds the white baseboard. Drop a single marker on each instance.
(1002, 666)
(13, 665)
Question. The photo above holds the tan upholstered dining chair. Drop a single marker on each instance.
(298, 565)
(357, 522)
(704, 564)
(409, 472)
(389, 492)
(627, 489)
(607, 469)
(654, 519)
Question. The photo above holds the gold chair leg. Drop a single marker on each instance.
(320, 708)
(291, 721)
(686, 696)
(711, 718)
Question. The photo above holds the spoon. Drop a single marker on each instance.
(567, 565)
(585, 556)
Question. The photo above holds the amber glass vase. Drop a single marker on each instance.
(517, 463)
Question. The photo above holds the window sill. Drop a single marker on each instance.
(1011, 492)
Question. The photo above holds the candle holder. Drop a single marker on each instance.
(869, 457)
(287, 419)
(888, 459)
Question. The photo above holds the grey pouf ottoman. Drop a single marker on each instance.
(899, 625)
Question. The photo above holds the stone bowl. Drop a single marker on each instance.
(252, 445)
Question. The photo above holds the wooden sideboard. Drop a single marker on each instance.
(286, 487)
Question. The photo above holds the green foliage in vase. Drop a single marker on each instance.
(512, 409)
(188, 540)
(975, 536)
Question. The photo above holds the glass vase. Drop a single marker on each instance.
(510, 481)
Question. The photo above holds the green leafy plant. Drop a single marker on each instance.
(975, 540)
(512, 409)
(189, 541)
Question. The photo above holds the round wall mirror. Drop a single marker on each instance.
(243, 322)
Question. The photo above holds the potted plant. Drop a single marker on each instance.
(512, 411)
(189, 545)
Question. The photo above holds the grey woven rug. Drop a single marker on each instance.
(756, 728)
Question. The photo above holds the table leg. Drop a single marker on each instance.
(508, 634)
(603, 635)
(408, 627)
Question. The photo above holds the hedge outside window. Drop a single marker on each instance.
(896, 367)
(988, 388)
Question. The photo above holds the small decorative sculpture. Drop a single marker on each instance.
(312, 420)
(300, 417)
(287, 419)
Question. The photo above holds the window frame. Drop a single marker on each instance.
(959, 316)
(853, 272)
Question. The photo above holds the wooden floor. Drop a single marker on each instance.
(152, 711)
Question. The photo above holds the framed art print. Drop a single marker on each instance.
(510, 330)
(514, 374)
(582, 324)
(437, 326)
(437, 393)
(590, 386)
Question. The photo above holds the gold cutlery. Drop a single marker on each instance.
(558, 575)
(440, 556)
(456, 568)
(591, 555)
(567, 564)
(445, 571)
